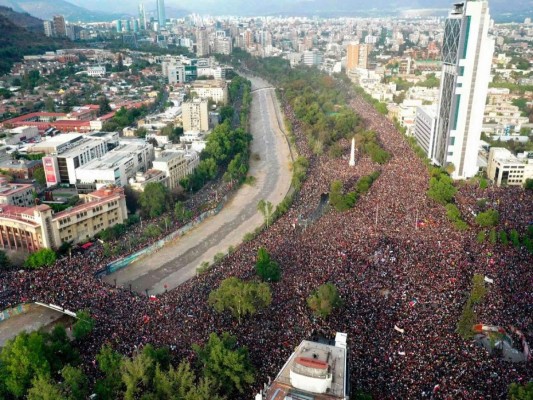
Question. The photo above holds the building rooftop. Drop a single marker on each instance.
(116, 156)
(7, 189)
(55, 141)
(315, 371)
(168, 155)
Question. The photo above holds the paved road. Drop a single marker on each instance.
(178, 261)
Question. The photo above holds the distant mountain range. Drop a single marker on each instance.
(83, 10)
(21, 34)
(46, 9)
(324, 8)
(23, 20)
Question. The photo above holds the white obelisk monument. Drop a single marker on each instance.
(352, 154)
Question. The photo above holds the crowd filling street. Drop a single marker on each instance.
(395, 259)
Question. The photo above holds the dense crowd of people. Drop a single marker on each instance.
(395, 258)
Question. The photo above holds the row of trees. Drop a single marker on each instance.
(508, 238)
(42, 366)
(468, 317)
(226, 149)
(318, 100)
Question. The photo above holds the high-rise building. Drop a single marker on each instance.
(357, 56)
(60, 27)
(202, 43)
(161, 16)
(142, 16)
(48, 28)
(119, 26)
(195, 115)
(466, 59)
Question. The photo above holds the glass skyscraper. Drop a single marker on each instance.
(161, 16)
(466, 59)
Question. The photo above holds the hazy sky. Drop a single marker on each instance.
(273, 6)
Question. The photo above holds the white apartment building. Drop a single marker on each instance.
(117, 166)
(312, 57)
(195, 115)
(97, 71)
(66, 152)
(424, 131)
(216, 90)
(504, 168)
(175, 164)
(223, 45)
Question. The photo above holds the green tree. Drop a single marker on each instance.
(225, 363)
(529, 184)
(266, 208)
(49, 104)
(226, 113)
(141, 132)
(267, 268)
(515, 238)
(155, 199)
(521, 391)
(75, 383)
(38, 175)
(5, 263)
(136, 375)
(503, 238)
(324, 300)
(441, 189)
(43, 388)
(41, 258)
(492, 236)
(239, 297)
(84, 325)
(109, 363)
(479, 290)
(22, 359)
(488, 218)
(481, 236)
(103, 104)
(467, 321)
(180, 212)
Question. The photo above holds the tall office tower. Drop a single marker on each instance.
(161, 17)
(202, 43)
(466, 59)
(60, 27)
(142, 16)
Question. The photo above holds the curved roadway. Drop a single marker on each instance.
(178, 261)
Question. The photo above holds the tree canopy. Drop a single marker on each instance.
(267, 268)
(84, 326)
(239, 297)
(154, 200)
(488, 218)
(227, 365)
(41, 258)
(324, 300)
